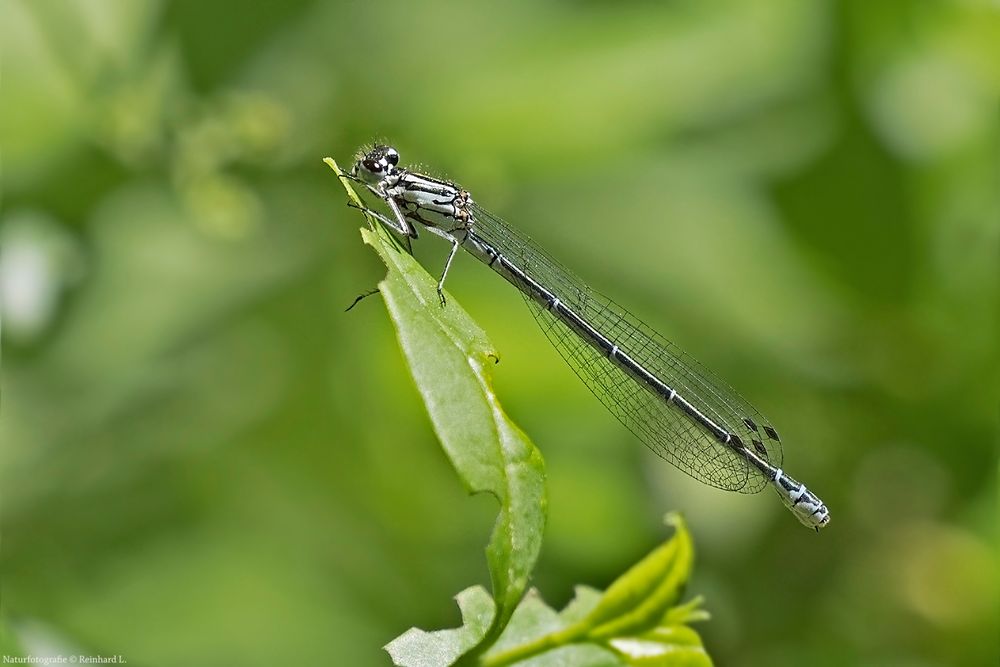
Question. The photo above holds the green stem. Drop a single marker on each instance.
(544, 643)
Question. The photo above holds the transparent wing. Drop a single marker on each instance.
(666, 430)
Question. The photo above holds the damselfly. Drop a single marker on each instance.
(677, 407)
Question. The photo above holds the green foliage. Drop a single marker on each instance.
(802, 195)
(626, 625)
(450, 359)
(634, 622)
(643, 595)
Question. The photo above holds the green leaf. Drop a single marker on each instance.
(689, 612)
(664, 646)
(533, 635)
(451, 360)
(538, 636)
(639, 599)
(418, 648)
(632, 623)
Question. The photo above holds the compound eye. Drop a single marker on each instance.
(392, 156)
(371, 165)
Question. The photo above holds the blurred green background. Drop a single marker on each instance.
(207, 462)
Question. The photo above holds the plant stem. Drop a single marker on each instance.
(544, 643)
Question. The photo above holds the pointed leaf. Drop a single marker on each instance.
(451, 360)
(638, 600)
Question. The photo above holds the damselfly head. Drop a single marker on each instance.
(377, 163)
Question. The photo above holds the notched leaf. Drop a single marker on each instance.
(419, 648)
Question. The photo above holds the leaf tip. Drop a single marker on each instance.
(675, 520)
